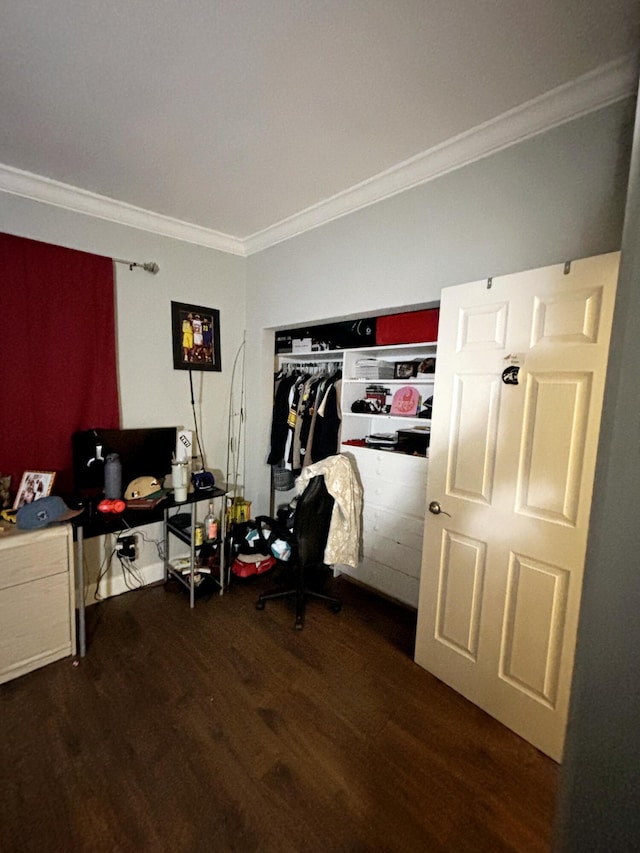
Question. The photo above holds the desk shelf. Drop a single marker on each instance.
(184, 568)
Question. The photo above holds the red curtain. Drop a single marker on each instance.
(58, 371)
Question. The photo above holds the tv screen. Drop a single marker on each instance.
(143, 453)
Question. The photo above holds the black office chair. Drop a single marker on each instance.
(308, 539)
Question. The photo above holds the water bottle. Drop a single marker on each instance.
(112, 477)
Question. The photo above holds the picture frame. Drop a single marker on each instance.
(405, 369)
(195, 337)
(34, 485)
(427, 367)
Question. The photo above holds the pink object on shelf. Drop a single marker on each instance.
(405, 401)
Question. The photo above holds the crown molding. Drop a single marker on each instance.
(38, 188)
(593, 91)
(590, 92)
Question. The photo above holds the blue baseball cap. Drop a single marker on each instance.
(43, 512)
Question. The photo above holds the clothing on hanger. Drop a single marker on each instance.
(300, 392)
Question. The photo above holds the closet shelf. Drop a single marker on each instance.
(406, 419)
(412, 380)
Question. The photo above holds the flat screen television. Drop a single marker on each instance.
(145, 452)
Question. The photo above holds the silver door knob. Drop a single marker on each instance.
(436, 509)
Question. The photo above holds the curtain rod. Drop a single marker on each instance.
(151, 266)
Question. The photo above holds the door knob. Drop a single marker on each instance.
(436, 509)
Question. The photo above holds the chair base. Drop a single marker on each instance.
(301, 595)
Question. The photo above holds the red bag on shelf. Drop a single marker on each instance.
(411, 327)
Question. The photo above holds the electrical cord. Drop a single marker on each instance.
(131, 573)
(104, 568)
(137, 531)
(195, 422)
(159, 543)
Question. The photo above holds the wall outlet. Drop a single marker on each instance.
(126, 547)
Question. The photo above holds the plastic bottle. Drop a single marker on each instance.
(112, 477)
(210, 524)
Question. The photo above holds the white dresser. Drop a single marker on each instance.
(395, 489)
(37, 610)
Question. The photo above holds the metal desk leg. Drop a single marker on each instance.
(192, 557)
(82, 636)
(166, 544)
(224, 581)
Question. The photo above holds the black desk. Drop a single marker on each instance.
(87, 526)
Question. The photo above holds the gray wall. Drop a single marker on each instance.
(557, 196)
(599, 803)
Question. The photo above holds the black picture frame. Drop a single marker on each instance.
(195, 350)
(405, 369)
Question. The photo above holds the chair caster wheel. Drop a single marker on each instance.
(336, 608)
(298, 626)
(259, 605)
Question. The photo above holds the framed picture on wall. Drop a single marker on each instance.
(196, 337)
(34, 485)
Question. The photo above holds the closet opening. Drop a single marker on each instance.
(362, 387)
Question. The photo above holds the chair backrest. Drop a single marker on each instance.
(311, 522)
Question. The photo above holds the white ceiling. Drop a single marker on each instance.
(243, 117)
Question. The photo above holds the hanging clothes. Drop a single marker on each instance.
(283, 385)
(299, 437)
(293, 423)
(309, 405)
(326, 434)
(303, 400)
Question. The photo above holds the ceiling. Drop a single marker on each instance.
(236, 123)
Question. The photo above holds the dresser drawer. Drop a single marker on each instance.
(391, 466)
(29, 555)
(36, 628)
(395, 555)
(402, 498)
(393, 583)
(397, 527)
(37, 614)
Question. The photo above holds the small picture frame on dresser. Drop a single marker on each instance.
(34, 485)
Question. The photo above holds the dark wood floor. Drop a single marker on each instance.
(223, 729)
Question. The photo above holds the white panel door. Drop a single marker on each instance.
(512, 467)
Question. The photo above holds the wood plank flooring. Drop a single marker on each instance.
(223, 729)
